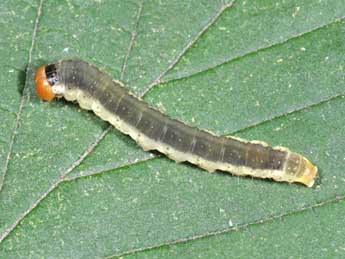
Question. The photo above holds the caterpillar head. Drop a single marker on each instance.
(47, 83)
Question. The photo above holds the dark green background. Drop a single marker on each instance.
(267, 70)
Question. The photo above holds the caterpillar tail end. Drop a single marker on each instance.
(43, 88)
(309, 174)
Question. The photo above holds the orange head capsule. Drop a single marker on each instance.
(45, 78)
(43, 88)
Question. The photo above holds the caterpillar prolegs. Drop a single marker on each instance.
(95, 90)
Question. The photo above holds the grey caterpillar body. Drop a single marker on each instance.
(95, 90)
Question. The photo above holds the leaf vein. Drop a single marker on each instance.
(189, 44)
(110, 168)
(132, 40)
(227, 230)
(54, 185)
(250, 52)
(298, 109)
(25, 94)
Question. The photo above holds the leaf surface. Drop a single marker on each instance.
(74, 188)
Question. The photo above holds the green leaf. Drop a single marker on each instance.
(285, 235)
(72, 187)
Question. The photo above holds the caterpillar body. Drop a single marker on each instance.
(95, 90)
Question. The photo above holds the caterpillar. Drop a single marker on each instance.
(95, 90)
